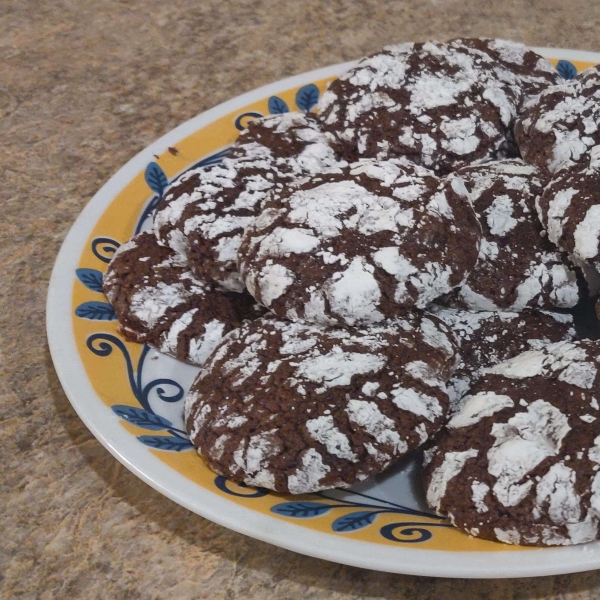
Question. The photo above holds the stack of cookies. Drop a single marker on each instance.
(393, 273)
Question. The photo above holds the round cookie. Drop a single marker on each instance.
(442, 105)
(205, 210)
(569, 209)
(158, 301)
(488, 338)
(520, 462)
(517, 267)
(297, 408)
(533, 71)
(360, 244)
(557, 128)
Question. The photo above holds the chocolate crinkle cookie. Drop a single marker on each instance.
(297, 408)
(488, 338)
(534, 73)
(359, 244)
(205, 210)
(443, 105)
(158, 301)
(569, 209)
(517, 267)
(520, 462)
(558, 128)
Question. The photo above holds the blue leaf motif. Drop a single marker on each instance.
(566, 69)
(141, 417)
(301, 510)
(307, 96)
(354, 521)
(277, 106)
(96, 311)
(166, 442)
(155, 177)
(91, 278)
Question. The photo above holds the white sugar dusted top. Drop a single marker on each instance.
(527, 453)
(517, 267)
(309, 475)
(534, 72)
(565, 119)
(521, 444)
(332, 207)
(557, 206)
(453, 464)
(442, 103)
(570, 210)
(488, 338)
(587, 234)
(343, 391)
(338, 367)
(159, 301)
(151, 303)
(352, 228)
(572, 362)
(226, 198)
(479, 406)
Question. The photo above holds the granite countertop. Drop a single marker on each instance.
(83, 87)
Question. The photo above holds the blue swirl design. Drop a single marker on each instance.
(241, 121)
(103, 248)
(104, 347)
(223, 484)
(407, 532)
(167, 390)
(103, 344)
(370, 509)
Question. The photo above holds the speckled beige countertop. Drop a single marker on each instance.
(85, 85)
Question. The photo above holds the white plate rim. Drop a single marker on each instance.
(126, 449)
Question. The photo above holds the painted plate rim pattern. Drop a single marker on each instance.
(117, 426)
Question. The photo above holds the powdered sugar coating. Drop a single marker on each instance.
(517, 267)
(451, 466)
(569, 209)
(443, 105)
(205, 211)
(488, 338)
(558, 128)
(534, 72)
(574, 360)
(478, 406)
(359, 244)
(160, 302)
(529, 431)
(331, 406)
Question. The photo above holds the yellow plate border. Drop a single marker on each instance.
(182, 476)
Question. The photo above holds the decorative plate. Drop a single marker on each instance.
(131, 397)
